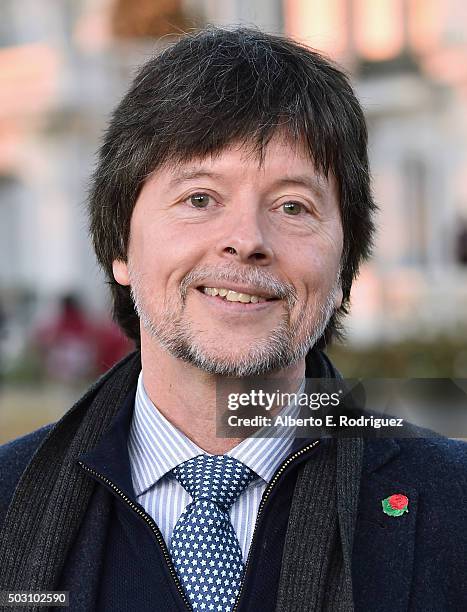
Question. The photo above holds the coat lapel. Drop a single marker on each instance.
(383, 554)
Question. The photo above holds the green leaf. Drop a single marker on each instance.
(387, 509)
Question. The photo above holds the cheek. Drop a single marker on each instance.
(314, 271)
(311, 260)
(161, 251)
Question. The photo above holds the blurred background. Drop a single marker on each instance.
(65, 63)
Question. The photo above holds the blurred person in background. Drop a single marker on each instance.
(67, 343)
(231, 210)
(73, 348)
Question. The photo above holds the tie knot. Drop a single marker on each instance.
(219, 478)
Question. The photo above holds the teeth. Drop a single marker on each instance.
(244, 298)
(234, 296)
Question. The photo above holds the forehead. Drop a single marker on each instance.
(281, 158)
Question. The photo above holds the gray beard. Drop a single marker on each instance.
(285, 345)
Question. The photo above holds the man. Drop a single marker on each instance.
(230, 210)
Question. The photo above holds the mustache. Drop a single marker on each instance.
(252, 276)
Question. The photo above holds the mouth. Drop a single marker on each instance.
(237, 300)
(231, 295)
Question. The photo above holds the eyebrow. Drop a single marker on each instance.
(192, 174)
(304, 180)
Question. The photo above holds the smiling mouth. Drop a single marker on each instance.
(229, 295)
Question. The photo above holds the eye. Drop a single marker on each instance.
(200, 200)
(293, 208)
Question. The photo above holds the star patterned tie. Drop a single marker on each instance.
(204, 545)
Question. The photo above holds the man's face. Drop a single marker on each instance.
(266, 237)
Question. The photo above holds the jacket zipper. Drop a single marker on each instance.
(266, 494)
(155, 529)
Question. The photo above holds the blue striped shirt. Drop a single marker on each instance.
(156, 447)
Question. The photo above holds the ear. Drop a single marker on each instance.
(339, 297)
(120, 270)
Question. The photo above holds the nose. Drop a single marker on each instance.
(244, 240)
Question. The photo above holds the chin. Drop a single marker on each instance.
(259, 360)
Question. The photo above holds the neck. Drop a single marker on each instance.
(186, 395)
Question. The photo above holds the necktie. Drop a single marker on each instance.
(204, 545)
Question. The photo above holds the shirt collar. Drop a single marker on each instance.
(263, 455)
(156, 447)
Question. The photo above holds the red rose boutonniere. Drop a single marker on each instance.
(395, 505)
